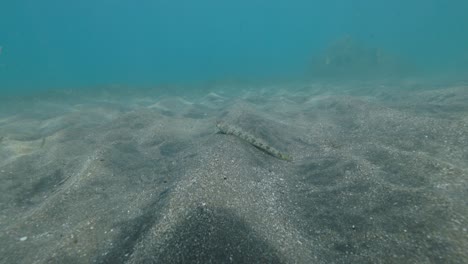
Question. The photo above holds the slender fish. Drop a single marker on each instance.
(259, 143)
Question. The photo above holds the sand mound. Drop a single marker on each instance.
(377, 176)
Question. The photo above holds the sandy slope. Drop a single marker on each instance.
(379, 175)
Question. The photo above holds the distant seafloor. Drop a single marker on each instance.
(379, 174)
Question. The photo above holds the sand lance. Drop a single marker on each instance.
(257, 142)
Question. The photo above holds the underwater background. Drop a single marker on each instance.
(233, 131)
(56, 44)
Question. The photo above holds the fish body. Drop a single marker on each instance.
(259, 143)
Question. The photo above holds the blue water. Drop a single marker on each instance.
(62, 44)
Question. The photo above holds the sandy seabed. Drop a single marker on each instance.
(379, 174)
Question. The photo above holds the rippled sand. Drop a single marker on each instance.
(379, 175)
